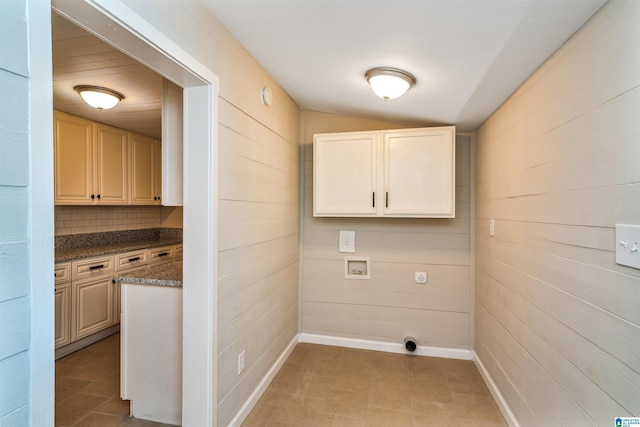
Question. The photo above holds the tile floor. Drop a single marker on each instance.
(88, 388)
(318, 386)
(329, 386)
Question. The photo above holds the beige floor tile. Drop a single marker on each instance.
(95, 419)
(392, 377)
(66, 387)
(432, 391)
(433, 414)
(259, 416)
(274, 393)
(333, 420)
(377, 417)
(277, 423)
(108, 387)
(132, 422)
(313, 386)
(352, 381)
(115, 406)
(71, 410)
(477, 408)
(469, 387)
(355, 360)
(347, 403)
(382, 396)
(298, 409)
(390, 360)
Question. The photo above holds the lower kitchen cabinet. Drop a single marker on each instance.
(62, 302)
(92, 310)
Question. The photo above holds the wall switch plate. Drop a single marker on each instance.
(492, 227)
(421, 277)
(628, 245)
(347, 241)
(241, 362)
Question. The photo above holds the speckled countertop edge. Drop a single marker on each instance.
(69, 254)
(169, 274)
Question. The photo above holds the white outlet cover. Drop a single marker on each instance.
(628, 245)
(241, 362)
(421, 277)
(347, 241)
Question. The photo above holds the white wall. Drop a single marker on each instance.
(390, 305)
(557, 321)
(258, 201)
(26, 225)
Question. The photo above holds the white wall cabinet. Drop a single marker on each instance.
(62, 303)
(91, 295)
(100, 164)
(90, 162)
(146, 175)
(395, 173)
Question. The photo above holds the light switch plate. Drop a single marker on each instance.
(347, 241)
(628, 245)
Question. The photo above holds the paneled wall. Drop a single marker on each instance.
(15, 279)
(26, 203)
(557, 321)
(258, 201)
(390, 305)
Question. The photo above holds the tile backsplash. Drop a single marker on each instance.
(96, 219)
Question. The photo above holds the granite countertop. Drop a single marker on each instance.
(68, 254)
(169, 274)
(88, 245)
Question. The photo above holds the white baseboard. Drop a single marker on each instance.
(504, 407)
(389, 347)
(251, 402)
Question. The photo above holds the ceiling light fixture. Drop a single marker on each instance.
(98, 97)
(389, 83)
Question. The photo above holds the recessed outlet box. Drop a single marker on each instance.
(357, 267)
(421, 277)
(628, 245)
(241, 362)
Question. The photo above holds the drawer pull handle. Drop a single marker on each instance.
(163, 254)
(134, 259)
(96, 267)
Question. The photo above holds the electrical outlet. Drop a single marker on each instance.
(421, 277)
(241, 362)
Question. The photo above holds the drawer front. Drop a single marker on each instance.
(62, 272)
(161, 255)
(92, 267)
(178, 255)
(131, 260)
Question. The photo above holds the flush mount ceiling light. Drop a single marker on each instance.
(389, 83)
(98, 97)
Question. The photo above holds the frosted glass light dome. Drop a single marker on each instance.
(98, 97)
(389, 83)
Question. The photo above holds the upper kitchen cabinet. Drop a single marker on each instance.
(345, 174)
(396, 173)
(90, 162)
(145, 171)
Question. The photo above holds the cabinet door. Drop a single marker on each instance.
(157, 185)
(111, 165)
(62, 302)
(345, 174)
(143, 169)
(419, 173)
(73, 159)
(92, 302)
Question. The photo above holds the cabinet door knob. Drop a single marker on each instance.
(98, 197)
(93, 196)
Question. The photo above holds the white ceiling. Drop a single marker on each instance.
(468, 56)
(80, 58)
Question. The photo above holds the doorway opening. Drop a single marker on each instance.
(124, 30)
